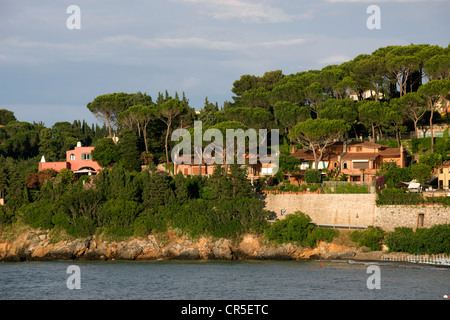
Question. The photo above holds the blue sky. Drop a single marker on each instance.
(49, 73)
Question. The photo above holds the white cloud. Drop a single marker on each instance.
(334, 60)
(245, 11)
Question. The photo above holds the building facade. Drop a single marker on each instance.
(359, 161)
(79, 161)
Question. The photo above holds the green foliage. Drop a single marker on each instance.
(78, 211)
(394, 196)
(421, 172)
(38, 214)
(118, 217)
(6, 116)
(350, 188)
(371, 238)
(297, 228)
(106, 152)
(393, 174)
(313, 176)
(432, 240)
(129, 150)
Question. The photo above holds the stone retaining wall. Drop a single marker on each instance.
(355, 209)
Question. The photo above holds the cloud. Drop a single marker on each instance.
(245, 11)
(334, 60)
(121, 49)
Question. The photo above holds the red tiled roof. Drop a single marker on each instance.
(308, 155)
(367, 144)
(391, 152)
(360, 156)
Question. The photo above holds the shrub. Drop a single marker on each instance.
(321, 234)
(394, 196)
(38, 214)
(371, 238)
(118, 217)
(423, 241)
(313, 176)
(294, 228)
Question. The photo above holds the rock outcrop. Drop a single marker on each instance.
(35, 245)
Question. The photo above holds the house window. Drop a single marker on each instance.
(86, 156)
(266, 171)
(345, 165)
(72, 157)
(420, 220)
(358, 149)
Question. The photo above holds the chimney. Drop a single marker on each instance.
(78, 144)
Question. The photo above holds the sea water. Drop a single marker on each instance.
(230, 280)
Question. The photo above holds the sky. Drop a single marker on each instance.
(50, 72)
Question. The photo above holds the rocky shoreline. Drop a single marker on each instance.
(37, 245)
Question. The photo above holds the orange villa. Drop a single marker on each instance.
(254, 170)
(79, 161)
(357, 160)
(363, 159)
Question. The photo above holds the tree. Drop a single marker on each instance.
(107, 107)
(421, 172)
(288, 164)
(129, 150)
(438, 67)
(168, 111)
(289, 114)
(402, 67)
(314, 96)
(344, 109)
(317, 134)
(255, 118)
(413, 104)
(374, 114)
(106, 152)
(6, 116)
(368, 73)
(343, 88)
(141, 115)
(433, 92)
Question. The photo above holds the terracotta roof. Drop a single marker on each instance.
(391, 152)
(367, 144)
(360, 156)
(308, 155)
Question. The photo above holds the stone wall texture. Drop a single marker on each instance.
(355, 210)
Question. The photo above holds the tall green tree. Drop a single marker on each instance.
(6, 116)
(106, 152)
(107, 107)
(317, 134)
(289, 114)
(129, 150)
(168, 112)
(434, 92)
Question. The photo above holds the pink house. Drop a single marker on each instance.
(79, 161)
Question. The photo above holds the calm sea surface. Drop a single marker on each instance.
(211, 280)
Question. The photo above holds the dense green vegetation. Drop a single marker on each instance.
(310, 108)
(371, 238)
(121, 203)
(297, 228)
(422, 241)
